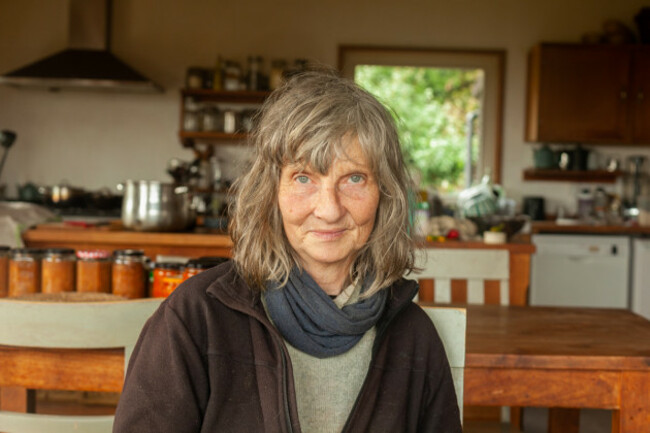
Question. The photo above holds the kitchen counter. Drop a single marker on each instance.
(584, 228)
(113, 237)
(197, 244)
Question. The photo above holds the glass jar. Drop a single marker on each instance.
(4, 271)
(129, 277)
(276, 76)
(164, 275)
(24, 271)
(94, 269)
(194, 78)
(196, 266)
(58, 270)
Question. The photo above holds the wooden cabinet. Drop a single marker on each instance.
(222, 101)
(589, 94)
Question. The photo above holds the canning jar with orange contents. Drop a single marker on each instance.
(94, 268)
(166, 276)
(58, 270)
(196, 266)
(129, 276)
(4, 271)
(25, 271)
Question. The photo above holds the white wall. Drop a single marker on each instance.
(99, 139)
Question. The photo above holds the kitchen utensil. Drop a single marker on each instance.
(150, 205)
(7, 139)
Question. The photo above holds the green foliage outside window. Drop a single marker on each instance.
(430, 106)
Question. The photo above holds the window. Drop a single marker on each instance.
(448, 105)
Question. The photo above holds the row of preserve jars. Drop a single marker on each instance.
(30, 270)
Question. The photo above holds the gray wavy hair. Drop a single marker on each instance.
(309, 120)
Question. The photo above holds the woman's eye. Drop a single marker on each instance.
(302, 179)
(356, 178)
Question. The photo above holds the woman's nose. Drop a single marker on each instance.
(328, 206)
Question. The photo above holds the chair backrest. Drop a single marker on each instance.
(66, 325)
(451, 324)
(482, 269)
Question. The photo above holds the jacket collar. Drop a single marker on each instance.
(231, 289)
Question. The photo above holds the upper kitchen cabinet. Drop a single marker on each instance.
(588, 94)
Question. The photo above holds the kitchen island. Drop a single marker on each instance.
(212, 243)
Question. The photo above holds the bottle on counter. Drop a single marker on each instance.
(585, 204)
(129, 276)
(25, 271)
(4, 271)
(58, 270)
(94, 268)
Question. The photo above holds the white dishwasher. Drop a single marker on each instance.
(580, 271)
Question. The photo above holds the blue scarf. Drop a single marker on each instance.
(310, 320)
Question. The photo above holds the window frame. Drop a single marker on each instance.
(490, 60)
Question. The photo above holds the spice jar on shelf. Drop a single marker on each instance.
(4, 271)
(129, 276)
(58, 270)
(166, 276)
(24, 271)
(94, 269)
(276, 76)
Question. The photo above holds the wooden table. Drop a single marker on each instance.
(561, 358)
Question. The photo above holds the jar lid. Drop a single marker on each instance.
(129, 253)
(59, 251)
(168, 265)
(93, 254)
(205, 262)
(27, 251)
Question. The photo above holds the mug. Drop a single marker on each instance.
(535, 208)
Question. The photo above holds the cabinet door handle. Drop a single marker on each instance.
(623, 94)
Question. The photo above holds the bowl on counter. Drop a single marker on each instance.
(510, 226)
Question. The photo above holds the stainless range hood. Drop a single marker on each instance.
(88, 63)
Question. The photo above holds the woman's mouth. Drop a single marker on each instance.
(328, 235)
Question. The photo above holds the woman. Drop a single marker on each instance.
(311, 326)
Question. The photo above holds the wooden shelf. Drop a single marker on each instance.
(244, 99)
(600, 176)
(239, 97)
(189, 138)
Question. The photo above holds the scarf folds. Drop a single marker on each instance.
(310, 320)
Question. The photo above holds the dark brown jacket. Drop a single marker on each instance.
(209, 360)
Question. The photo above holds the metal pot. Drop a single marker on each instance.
(63, 195)
(150, 205)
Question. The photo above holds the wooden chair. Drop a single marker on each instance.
(471, 276)
(467, 276)
(451, 324)
(50, 345)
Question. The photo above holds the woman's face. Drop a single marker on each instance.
(328, 218)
